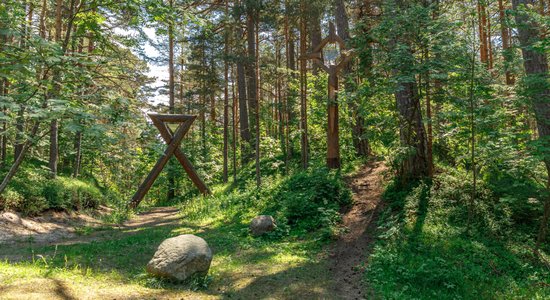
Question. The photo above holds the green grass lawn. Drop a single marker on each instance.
(243, 267)
(289, 264)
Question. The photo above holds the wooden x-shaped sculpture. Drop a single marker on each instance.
(173, 139)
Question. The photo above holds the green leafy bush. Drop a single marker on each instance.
(310, 200)
(68, 193)
(31, 192)
(10, 200)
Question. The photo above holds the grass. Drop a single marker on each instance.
(427, 251)
(285, 264)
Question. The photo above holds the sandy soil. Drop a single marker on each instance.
(54, 228)
(50, 227)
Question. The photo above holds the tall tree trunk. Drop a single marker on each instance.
(54, 126)
(212, 89)
(358, 131)
(536, 70)
(171, 193)
(482, 27)
(505, 36)
(315, 30)
(257, 108)
(234, 121)
(19, 130)
(78, 153)
(303, 87)
(288, 102)
(251, 79)
(280, 103)
(226, 97)
(413, 163)
(244, 127)
(489, 40)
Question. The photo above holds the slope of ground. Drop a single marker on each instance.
(350, 252)
(108, 261)
(50, 227)
(110, 264)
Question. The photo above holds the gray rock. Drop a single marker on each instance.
(262, 224)
(180, 257)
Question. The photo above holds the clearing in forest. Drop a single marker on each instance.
(108, 262)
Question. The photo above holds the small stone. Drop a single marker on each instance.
(262, 224)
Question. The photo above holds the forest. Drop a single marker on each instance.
(289, 149)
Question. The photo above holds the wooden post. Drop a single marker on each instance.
(333, 145)
(333, 138)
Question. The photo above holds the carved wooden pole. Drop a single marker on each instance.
(333, 137)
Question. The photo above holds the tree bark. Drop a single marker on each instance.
(414, 164)
(536, 70)
(358, 131)
(226, 98)
(303, 88)
(505, 36)
(482, 28)
(413, 161)
(251, 79)
(315, 30)
(244, 126)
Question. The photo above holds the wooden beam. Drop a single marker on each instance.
(183, 160)
(173, 141)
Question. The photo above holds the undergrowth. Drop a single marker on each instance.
(427, 249)
(301, 203)
(32, 192)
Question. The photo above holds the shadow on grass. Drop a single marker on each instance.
(62, 291)
(305, 281)
(431, 258)
(129, 249)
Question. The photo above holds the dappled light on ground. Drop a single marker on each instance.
(112, 266)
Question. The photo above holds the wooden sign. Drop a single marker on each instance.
(173, 140)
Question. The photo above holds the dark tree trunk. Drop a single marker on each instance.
(303, 88)
(315, 34)
(244, 127)
(19, 129)
(54, 147)
(505, 36)
(226, 100)
(358, 131)
(414, 164)
(78, 155)
(536, 71)
(251, 78)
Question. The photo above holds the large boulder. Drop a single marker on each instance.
(180, 257)
(262, 224)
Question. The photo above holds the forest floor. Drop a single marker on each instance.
(351, 251)
(84, 260)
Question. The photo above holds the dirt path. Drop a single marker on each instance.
(63, 228)
(351, 250)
